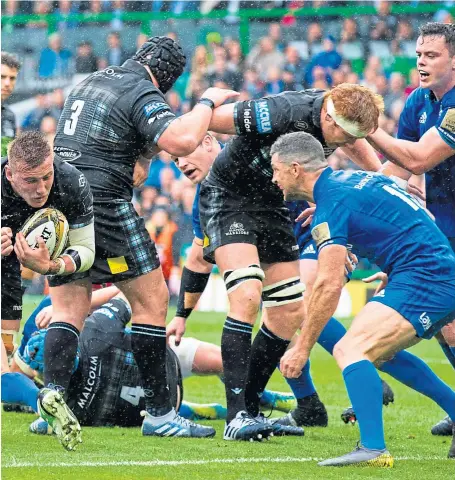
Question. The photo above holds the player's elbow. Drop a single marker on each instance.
(418, 168)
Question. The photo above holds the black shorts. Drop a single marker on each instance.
(12, 290)
(224, 222)
(124, 249)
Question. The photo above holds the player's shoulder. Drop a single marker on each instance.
(418, 97)
(448, 100)
(68, 176)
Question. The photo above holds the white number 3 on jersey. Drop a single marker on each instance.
(70, 125)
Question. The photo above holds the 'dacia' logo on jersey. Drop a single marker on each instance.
(262, 111)
(321, 233)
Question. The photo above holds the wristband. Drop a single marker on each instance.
(62, 268)
(399, 181)
(192, 282)
(207, 101)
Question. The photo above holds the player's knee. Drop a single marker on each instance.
(287, 318)
(448, 333)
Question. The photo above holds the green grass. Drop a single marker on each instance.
(407, 424)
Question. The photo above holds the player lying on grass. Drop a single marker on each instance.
(107, 391)
(386, 225)
(310, 411)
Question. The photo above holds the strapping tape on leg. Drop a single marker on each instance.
(283, 292)
(233, 278)
(8, 341)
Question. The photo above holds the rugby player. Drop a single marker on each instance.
(10, 69)
(112, 124)
(248, 232)
(425, 141)
(310, 411)
(386, 225)
(33, 179)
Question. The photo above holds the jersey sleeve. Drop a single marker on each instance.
(197, 229)
(151, 115)
(446, 126)
(79, 211)
(330, 225)
(265, 116)
(408, 125)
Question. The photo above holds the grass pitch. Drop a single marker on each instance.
(121, 453)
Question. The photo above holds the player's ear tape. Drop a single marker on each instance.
(233, 278)
(8, 341)
(280, 293)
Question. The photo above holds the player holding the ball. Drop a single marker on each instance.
(32, 181)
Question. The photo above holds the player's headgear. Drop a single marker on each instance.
(164, 57)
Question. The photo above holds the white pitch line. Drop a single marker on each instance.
(178, 463)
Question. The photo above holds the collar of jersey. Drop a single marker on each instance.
(137, 68)
(7, 189)
(319, 186)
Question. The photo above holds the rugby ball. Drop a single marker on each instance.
(52, 226)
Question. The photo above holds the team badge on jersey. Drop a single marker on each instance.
(448, 122)
(321, 233)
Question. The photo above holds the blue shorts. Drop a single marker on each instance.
(426, 303)
(308, 250)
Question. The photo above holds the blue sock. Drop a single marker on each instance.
(302, 386)
(186, 412)
(17, 388)
(365, 392)
(333, 332)
(416, 374)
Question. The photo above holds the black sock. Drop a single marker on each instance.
(235, 351)
(149, 348)
(60, 349)
(266, 352)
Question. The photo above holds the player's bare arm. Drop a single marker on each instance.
(323, 303)
(222, 120)
(363, 154)
(416, 157)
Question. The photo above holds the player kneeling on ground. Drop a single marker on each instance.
(32, 180)
(386, 225)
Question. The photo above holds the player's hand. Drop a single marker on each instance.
(219, 95)
(306, 214)
(292, 362)
(176, 327)
(351, 262)
(140, 173)
(37, 259)
(384, 279)
(44, 317)
(417, 193)
(7, 241)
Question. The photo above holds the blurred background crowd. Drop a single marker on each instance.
(60, 42)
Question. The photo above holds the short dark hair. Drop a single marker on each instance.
(30, 148)
(10, 61)
(440, 30)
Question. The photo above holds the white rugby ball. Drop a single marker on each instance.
(52, 226)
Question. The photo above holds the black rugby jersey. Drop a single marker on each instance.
(70, 193)
(107, 121)
(243, 167)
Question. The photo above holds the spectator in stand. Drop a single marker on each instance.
(32, 121)
(414, 82)
(338, 77)
(236, 61)
(263, 56)
(349, 31)
(369, 78)
(314, 39)
(352, 77)
(162, 230)
(167, 178)
(54, 60)
(164, 160)
(274, 83)
(396, 91)
(329, 59)
(40, 8)
(48, 127)
(185, 234)
(375, 64)
(116, 55)
(175, 102)
(293, 63)
(252, 84)
(64, 9)
(320, 78)
(197, 84)
(381, 85)
(221, 73)
(86, 61)
(276, 35)
(404, 42)
(118, 8)
(289, 83)
(147, 199)
(383, 25)
(199, 62)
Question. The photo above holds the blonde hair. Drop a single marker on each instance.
(358, 104)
